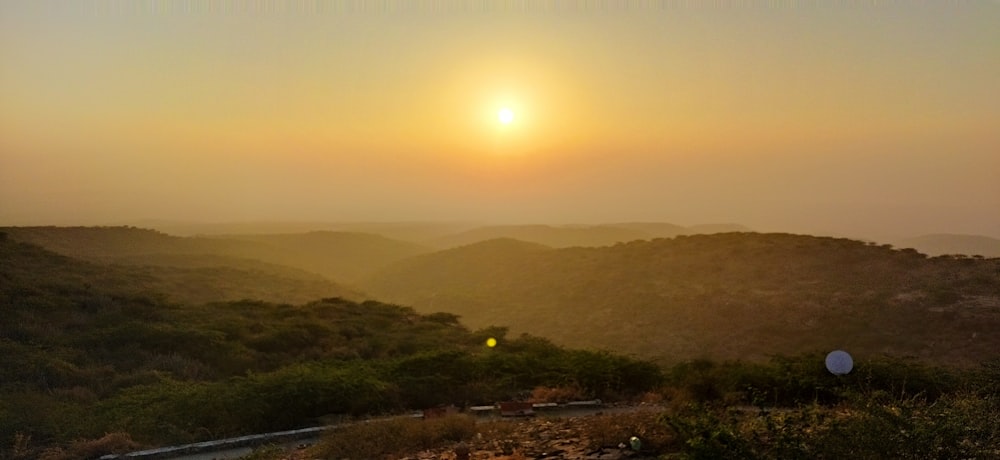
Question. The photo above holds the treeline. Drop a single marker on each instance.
(157, 405)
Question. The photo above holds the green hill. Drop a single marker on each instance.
(554, 236)
(184, 270)
(338, 256)
(733, 295)
(87, 349)
(564, 236)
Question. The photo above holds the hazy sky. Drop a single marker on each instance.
(863, 117)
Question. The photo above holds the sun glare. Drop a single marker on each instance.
(505, 115)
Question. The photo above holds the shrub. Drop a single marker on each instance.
(560, 394)
(707, 433)
(875, 428)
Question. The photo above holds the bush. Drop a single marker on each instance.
(803, 379)
(561, 394)
(875, 428)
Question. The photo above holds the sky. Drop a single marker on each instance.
(865, 118)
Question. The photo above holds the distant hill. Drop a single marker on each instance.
(561, 236)
(706, 229)
(185, 278)
(339, 256)
(941, 244)
(477, 263)
(406, 231)
(655, 229)
(564, 236)
(732, 295)
(342, 256)
(111, 243)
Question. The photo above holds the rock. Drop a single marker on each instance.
(462, 451)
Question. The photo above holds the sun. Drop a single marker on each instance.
(505, 115)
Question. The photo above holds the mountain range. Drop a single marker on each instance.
(733, 295)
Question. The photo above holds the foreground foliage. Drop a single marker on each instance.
(792, 408)
(887, 408)
(870, 426)
(959, 426)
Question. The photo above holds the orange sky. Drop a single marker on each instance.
(865, 116)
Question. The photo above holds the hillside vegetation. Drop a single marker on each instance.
(179, 276)
(418, 231)
(338, 256)
(88, 349)
(562, 236)
(723, 296)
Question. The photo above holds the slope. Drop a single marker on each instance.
(343, 256)
(144, 261)
(735, 295)
(338, 256)
(564, 236)
(554, 236)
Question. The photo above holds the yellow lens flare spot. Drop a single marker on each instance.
(505, 115)
(491, 342)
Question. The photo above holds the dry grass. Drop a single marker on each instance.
(110, 443)
(21, 447)
(386, 439)
(497, 439)
(609, 430)
(560, 394)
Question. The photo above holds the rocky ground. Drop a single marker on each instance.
(594, 437)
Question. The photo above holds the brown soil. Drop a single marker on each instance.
(594, 437)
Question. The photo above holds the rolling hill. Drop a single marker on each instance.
(406, 231)
(186, 278)
(943, 244)
(563, 236)
(732, 295)
(339, 256)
